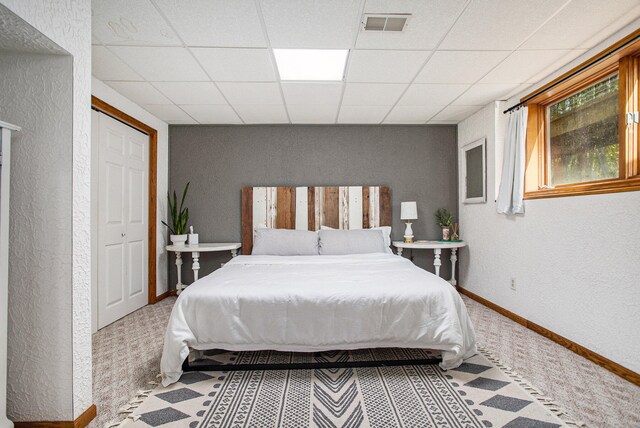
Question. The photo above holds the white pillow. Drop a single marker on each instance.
(386, 233)
(358, 241)
(285, 242)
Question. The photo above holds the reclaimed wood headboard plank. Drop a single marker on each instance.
(309, 208)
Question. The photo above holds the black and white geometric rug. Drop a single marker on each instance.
(480, 393)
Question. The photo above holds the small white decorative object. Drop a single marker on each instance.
(408, 212)
(178, 240)
(193, 237)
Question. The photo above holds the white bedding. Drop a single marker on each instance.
(316, 303)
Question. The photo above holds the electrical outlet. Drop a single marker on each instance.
(513, 284)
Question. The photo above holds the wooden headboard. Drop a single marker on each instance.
(308, 208)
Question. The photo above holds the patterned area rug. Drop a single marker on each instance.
(480, 393)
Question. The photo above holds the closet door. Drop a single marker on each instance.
(122, 220)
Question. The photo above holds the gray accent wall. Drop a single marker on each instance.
(418, 163)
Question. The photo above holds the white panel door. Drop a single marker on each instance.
(123, 201)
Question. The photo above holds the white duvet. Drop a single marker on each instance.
(316, 303)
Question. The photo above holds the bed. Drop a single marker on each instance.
(309, 303)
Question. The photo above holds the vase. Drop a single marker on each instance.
(445, 234)
(178, 240)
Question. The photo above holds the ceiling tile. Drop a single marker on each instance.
(251, 93)
(125, 22)
(372, 94)
(362, 114)
(161, 64)
(459, 66)
(215, 23)
(191, 92)
(309, 113)
(429, 21)
(584, 23)
(528, 66)
(106, 66)
(456, 113)
(312, 93)
(412, 114)
(140, 92)
(327, 24)
(422, 94)
(210, 114)
(483, 94)
(182, 122)
(498, 24)
(167, 112)
(236, 65)
(264, 113)
(443, 122)
(383, 66)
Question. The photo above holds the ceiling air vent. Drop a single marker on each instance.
(385, 21)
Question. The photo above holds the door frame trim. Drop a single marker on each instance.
(111, 111)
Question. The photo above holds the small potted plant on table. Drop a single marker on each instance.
(444, 219)
(179, 218)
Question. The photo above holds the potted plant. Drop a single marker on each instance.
(444, 219)
(179, 218)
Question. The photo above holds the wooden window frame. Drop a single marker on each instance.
(626, 62)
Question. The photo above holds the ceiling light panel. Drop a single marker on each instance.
(311, 64)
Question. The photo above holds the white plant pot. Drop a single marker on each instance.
(178, 240)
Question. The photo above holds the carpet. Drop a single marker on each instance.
(480, 393)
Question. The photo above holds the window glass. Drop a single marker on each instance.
(582, 138)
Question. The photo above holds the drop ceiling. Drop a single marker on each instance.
(211, 61)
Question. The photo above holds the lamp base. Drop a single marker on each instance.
(408, 233)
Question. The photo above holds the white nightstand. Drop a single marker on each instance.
(437, 247)
(195, 251)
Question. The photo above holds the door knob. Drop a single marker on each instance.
(123, 234)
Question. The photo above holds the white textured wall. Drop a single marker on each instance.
(575, 259)
(110, 96)
(68, 24)
(36, 92)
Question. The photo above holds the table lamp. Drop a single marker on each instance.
(408, 212)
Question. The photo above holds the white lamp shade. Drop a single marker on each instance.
(408, 211)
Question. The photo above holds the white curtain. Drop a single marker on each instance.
(510, 196)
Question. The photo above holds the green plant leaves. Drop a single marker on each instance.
(179, 215)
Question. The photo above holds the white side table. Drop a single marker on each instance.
(195, 251)
(437, 247)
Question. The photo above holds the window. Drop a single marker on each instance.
(579, 137)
